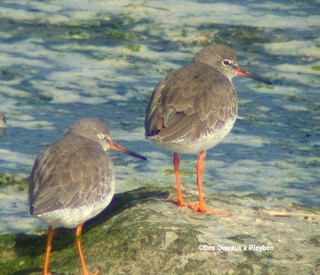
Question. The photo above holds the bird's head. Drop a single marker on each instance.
(223, 59)
(97, 131)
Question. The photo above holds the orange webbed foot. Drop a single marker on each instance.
(204, 209)
(198, 208)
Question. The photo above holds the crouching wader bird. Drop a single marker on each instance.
(73, 180)
(194, 108)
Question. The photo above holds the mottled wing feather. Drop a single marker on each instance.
(64, 174)
(189, 102)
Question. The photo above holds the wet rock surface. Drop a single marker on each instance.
(142, 233)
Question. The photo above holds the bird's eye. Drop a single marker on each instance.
(101, 136)
(226, 62)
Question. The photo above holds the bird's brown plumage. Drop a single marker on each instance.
(194, 108)
(73, 180)
(191, 103)
(73, 172)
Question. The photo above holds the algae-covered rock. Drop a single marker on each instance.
(142, 233)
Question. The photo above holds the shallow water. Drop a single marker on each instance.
(64, 60)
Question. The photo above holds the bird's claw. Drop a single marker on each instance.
(204, 209)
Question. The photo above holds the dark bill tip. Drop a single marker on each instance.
(117, 147)
(244, 73)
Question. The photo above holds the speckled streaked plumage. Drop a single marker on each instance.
(195, 107)
(73, 180)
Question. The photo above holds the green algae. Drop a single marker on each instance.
(119, 34)
(133, 47)
(240, 35)
(18, 182)
(77, 34)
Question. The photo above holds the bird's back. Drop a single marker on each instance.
(193, 103)
(73, 173)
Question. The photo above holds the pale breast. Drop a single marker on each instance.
(72, 217)
(207, 140)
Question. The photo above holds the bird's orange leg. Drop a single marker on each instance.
(201, 207)
(45, 270)
(79, 247)
(176, 163)
(200, 168)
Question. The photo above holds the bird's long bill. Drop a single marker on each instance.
(117, 147)
(245, 73)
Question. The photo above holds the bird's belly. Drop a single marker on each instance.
(202, 143)
(72, 217)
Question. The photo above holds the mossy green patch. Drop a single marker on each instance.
(7, 179)
(120, 34)
(240, 35)
(77, 34)
(315, 68)
(133, 47)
